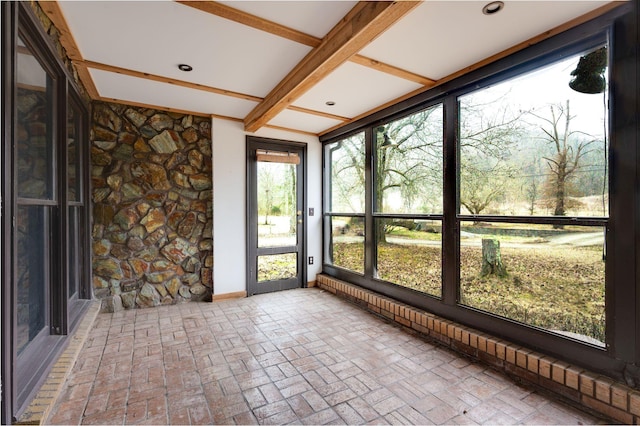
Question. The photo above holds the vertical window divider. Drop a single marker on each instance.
(623, 294)
(370, 247)
(450, 234)
(60, 319)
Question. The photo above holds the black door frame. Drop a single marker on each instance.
(254, 143)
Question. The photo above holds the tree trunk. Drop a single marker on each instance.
(492, 259)
(381, 237)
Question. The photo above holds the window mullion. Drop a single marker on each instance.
(370, 247)
(450, 235)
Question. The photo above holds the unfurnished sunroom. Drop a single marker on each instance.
(465, 169)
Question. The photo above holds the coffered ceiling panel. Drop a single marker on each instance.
(315, 18)
(354, 88)
(139, 90)
(440, 38)
(156, 36)
(303, 122)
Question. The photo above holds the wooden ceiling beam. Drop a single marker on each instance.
(54, 13)
(318, 113)
(244, 18)
(359, 27)
(279, 30)
(392, 70)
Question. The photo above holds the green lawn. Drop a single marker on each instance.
(555, 288)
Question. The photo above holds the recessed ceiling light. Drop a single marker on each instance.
(185, 67)
(330, 103)
(493, 7)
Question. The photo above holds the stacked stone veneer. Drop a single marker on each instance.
(152, 207)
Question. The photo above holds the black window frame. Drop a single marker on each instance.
(375, 215)
(623, 344)
(329, 213)
(23, 374)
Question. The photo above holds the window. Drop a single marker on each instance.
(408, 201)
(533, 147)
(494, 200)
(44, 216)
(77, 226)
(36, 198)
(345, 161)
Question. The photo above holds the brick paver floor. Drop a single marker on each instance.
(299, 356)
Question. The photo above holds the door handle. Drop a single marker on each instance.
(299, 213)
(299, 220)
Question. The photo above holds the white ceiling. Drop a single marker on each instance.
(434, 40)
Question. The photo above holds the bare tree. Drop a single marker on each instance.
(409, 160)
(568, 151)
(532, 194)
(488, 131)
(347, 172)
(483, 185)
(266, 188)
(532, 174)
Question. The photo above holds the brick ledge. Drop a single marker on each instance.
(589, 390)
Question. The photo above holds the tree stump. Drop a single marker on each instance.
(492, 259)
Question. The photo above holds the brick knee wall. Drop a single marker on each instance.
(590, 390)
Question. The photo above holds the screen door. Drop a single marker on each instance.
(275, 216)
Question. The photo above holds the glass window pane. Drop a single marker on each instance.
(347, 243)
(277, 267)
(545, 277)
(31, 273)
(346, 160)
(35, 150)
(76, 254)
(73, 153)
(409, 163)
(410, 254)
(277, 214)
(534, 146)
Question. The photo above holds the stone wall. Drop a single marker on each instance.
(152, 207)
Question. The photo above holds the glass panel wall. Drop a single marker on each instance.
(345, 202)
(74, 166)
(35, 148)
(44, 220)
(535, 274)
(534, 147)
(76, 229)
(35, 169)
(408, 172)
(488, 202)
(347, 242)
(32, 274)
(410, 254)
(408, 200)
(346, 162)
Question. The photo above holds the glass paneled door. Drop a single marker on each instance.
(275, 216)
